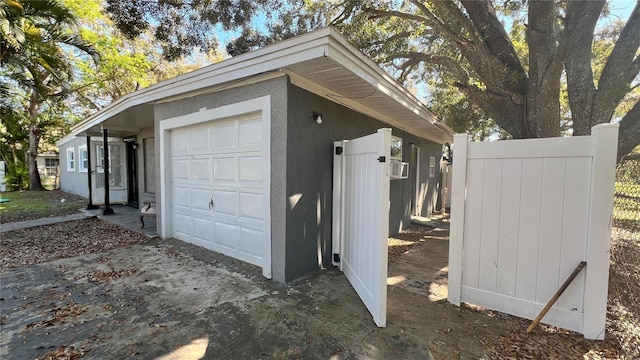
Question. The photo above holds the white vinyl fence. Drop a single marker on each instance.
(525, 213)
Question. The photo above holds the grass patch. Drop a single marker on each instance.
(27, 205)
(26, 201)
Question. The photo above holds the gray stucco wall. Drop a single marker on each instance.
(74, 182)
(143, 195)
(277, 89)
(430, 197)
(310, 177)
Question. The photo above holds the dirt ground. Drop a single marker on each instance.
(117, 294)
(168, 299)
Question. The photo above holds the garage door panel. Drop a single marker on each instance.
(250, 169)
(225, 202)
(224, 169)
(200, 199)
(182, 226)
(249, 132)
(222, 161)
(180, 169)
(224, 136)
(251, 242)
(201, 170)
(202, 229)
(251, 205)
(180, 142)
(200, 140)
(182, 198)
(226, 235)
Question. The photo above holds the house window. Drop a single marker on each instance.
(83, 162)
(51, 167)
(71, 159)
(149, 145)
(432, 166)
(396, 148)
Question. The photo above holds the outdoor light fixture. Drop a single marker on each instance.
(317, 117)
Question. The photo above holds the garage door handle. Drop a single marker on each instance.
(210, 204)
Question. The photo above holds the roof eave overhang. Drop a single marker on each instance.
(318, 44)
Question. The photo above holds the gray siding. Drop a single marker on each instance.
(310, 177)
(277, 89)
(142, 194)
(74, 182)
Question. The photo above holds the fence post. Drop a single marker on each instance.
(605, 141)
(458, 197)
(336, 213)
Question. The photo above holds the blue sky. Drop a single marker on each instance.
(620, 9)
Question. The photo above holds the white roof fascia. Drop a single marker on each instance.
(215, 74)
(270, 58)
(65, 139)
(317, 44)
(226, 86)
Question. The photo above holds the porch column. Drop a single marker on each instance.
(105, 166)
(90, 206)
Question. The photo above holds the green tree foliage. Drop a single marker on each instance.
(556, 71)
(13, 142)
(34, 66)
(516, 80)
(125, 65)
(179, 26)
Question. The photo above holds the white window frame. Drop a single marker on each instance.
(71, 159)
(51, 170)
(83, 156)
(397, 139)
(100, 158)
(432, 166)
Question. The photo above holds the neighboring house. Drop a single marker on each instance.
(48, 163)
(3, 186)
(237, 161)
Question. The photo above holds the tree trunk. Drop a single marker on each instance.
(629, 132)
(34, 140)
(545, 68)
(580, 23)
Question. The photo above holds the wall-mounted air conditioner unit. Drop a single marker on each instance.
(399, 169)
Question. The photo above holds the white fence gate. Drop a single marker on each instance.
(361, 217)
(525, 213)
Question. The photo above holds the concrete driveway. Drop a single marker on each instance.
(170, 300)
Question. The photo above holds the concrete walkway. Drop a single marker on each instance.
(125, 216)
(42, 221)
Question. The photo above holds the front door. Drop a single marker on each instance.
(116, 169)
(132, 174)
(363, 208)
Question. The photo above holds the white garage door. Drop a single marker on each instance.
(218, 195)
